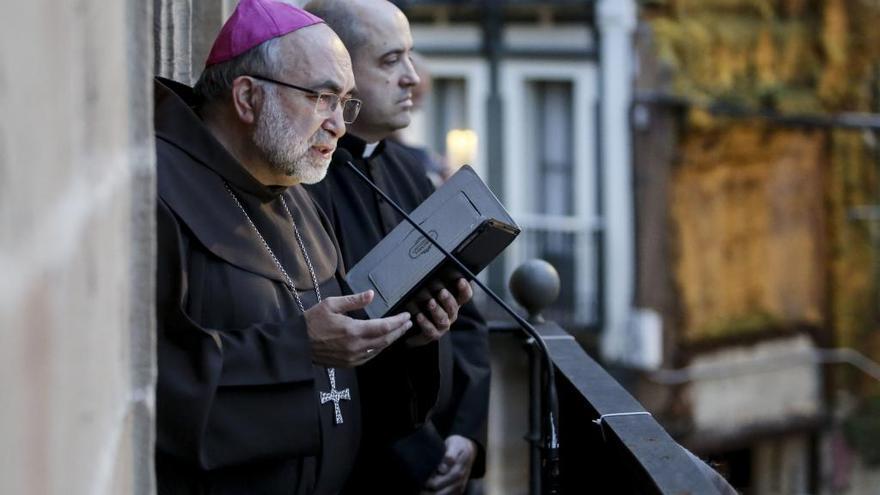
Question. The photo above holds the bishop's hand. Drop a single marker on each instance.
(441, 315)
(341, 341)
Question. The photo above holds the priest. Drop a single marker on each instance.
(449, 449)
(256, 391)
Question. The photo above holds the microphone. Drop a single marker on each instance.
(551, 404)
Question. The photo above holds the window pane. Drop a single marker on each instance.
(553, 173)
(550, 190)
(449, 107)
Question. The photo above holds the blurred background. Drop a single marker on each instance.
(738, 198)
(703, 174)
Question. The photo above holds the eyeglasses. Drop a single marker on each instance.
(326, 102)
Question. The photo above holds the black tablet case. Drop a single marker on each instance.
(404, 269)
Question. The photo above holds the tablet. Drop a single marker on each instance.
(405, 270)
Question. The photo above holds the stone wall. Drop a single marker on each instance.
(768, 230)
(792, 55)
(184, 31)
(77, 360)
(751, 223)
(764, 232)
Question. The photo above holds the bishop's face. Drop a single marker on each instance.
(384, 73)
(293, 138)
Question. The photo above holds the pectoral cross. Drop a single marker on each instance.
(335, 395)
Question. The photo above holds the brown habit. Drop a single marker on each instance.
(238, 407)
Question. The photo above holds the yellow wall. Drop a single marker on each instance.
(747, 208)
(762, 213)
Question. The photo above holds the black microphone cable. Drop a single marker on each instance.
(551, 447)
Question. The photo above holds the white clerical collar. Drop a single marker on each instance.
(369, 148)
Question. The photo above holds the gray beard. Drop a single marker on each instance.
(277, 141)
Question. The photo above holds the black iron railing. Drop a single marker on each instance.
(609, 442)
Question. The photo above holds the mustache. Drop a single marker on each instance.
(322, 138)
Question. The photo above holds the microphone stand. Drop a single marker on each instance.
(551, 405)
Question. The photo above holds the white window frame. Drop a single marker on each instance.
(515, 78)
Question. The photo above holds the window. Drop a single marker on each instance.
(449, 108)
(548, 162)
(550, 175)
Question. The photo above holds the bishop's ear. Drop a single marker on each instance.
(247, 98)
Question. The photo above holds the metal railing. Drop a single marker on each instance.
(609, 442)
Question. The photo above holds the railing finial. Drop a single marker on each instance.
(535, 285)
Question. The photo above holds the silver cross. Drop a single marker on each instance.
(335, 395)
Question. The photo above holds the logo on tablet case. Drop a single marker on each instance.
(422, 245)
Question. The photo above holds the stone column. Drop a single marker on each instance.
(184, 33)
(77, 357)
(173, 40)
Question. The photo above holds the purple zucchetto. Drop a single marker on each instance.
(256, 21)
